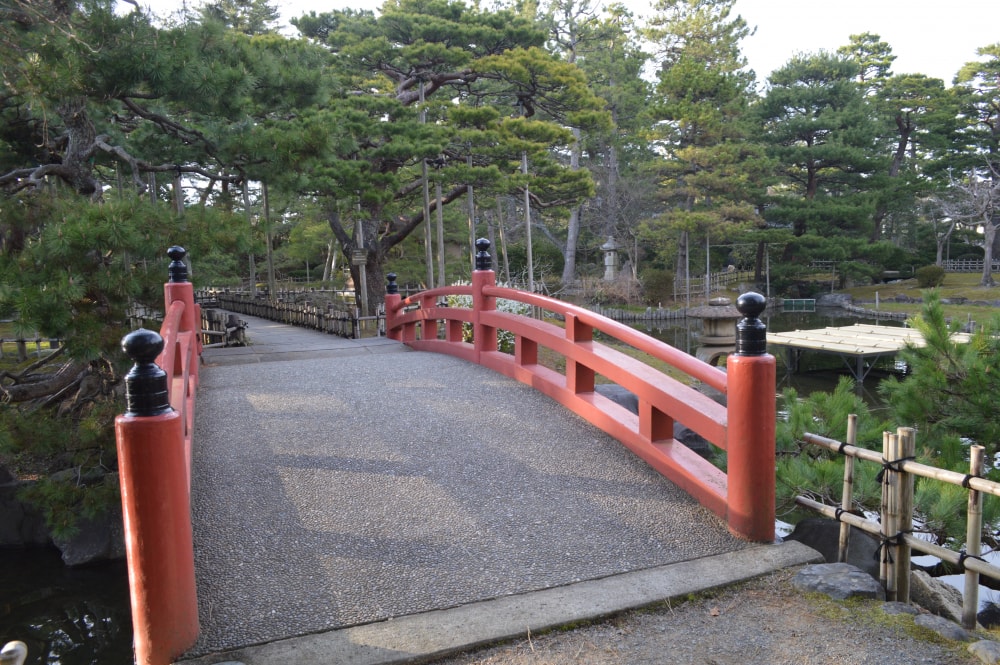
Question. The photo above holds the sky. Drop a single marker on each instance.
(932, 37)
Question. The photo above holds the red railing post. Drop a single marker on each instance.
(392, 300)
(177, 287)
(751, 426)
(157, 509)
(484, 338)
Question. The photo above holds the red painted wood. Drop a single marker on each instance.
(745, 428)
(158, 541)
(751, 447)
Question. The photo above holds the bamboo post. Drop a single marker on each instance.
(907, 448)
(847, 496)
(887, 574)
(973, 537)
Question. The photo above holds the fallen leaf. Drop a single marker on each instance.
(714, 612)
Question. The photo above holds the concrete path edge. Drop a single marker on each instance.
(418, 638)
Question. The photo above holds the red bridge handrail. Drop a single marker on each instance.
(744, 427)
(154, 462)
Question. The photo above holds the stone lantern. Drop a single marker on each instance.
(718, 329)
(610, 249)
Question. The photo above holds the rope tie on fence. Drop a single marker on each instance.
(963, 555)
(883, 552)
(895, 465)
(838, 512)
(967, 479)
(840, 450)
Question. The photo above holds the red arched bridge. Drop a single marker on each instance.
(369, 471)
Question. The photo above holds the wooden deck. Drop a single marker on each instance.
(860, 345)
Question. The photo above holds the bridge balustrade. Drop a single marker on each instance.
(154, 462)
(744, 427)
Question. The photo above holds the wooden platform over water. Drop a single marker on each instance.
(860, 345)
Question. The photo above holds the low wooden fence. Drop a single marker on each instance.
(335, 319)
(968, 265)
(21, 347)
(895, 528)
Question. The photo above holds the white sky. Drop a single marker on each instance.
(932, 37)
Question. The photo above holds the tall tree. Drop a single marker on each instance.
(977, 89)
(251, 17)
(820, 130)
(432, 50)
(702, 98)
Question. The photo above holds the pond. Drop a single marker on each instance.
(69, 616)
(817, 372)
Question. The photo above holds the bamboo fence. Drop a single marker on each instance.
(895, 526)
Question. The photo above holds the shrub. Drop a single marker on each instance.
(505, 338)
(930, 277)
(657, 286)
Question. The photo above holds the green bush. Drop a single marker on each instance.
(930, 277)
(657, 286)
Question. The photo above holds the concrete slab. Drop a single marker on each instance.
(436, 634)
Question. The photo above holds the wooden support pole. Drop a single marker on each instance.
(847, 497)
(886, 512)
(907, 449)
(973, 540)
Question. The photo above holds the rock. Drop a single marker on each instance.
(619, 396)
(839, 581)
(97, 539)
(20, 523)
(935, 596)
(628, 400)
(834, 300)
(894, 608)
(986, 651)
(989, 616)
(943, 627)
(823, 535)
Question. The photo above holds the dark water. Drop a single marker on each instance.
(69, 616)
(81, 616)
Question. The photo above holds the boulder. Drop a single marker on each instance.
(840, 581)
(986, 650)
(834, 300)
(943, 627)
(20, 523)
(823, 535)
(97, 539)
(627, 399)
(935, 596)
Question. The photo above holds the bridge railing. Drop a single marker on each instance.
(154, 463)
(744, 427)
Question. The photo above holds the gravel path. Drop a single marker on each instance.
(762, 622)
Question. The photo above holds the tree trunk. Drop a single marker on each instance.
(990, 235)
(573, 231)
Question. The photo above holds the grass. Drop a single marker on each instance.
(956, 285)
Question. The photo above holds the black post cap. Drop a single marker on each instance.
(391, 287)
(751, 332)
(146, 384)
(177, 270)
(483, 259)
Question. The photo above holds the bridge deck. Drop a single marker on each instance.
(340, 482)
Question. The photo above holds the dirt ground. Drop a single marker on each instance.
(765, 621)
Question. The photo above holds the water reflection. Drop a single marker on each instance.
(66, 616)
